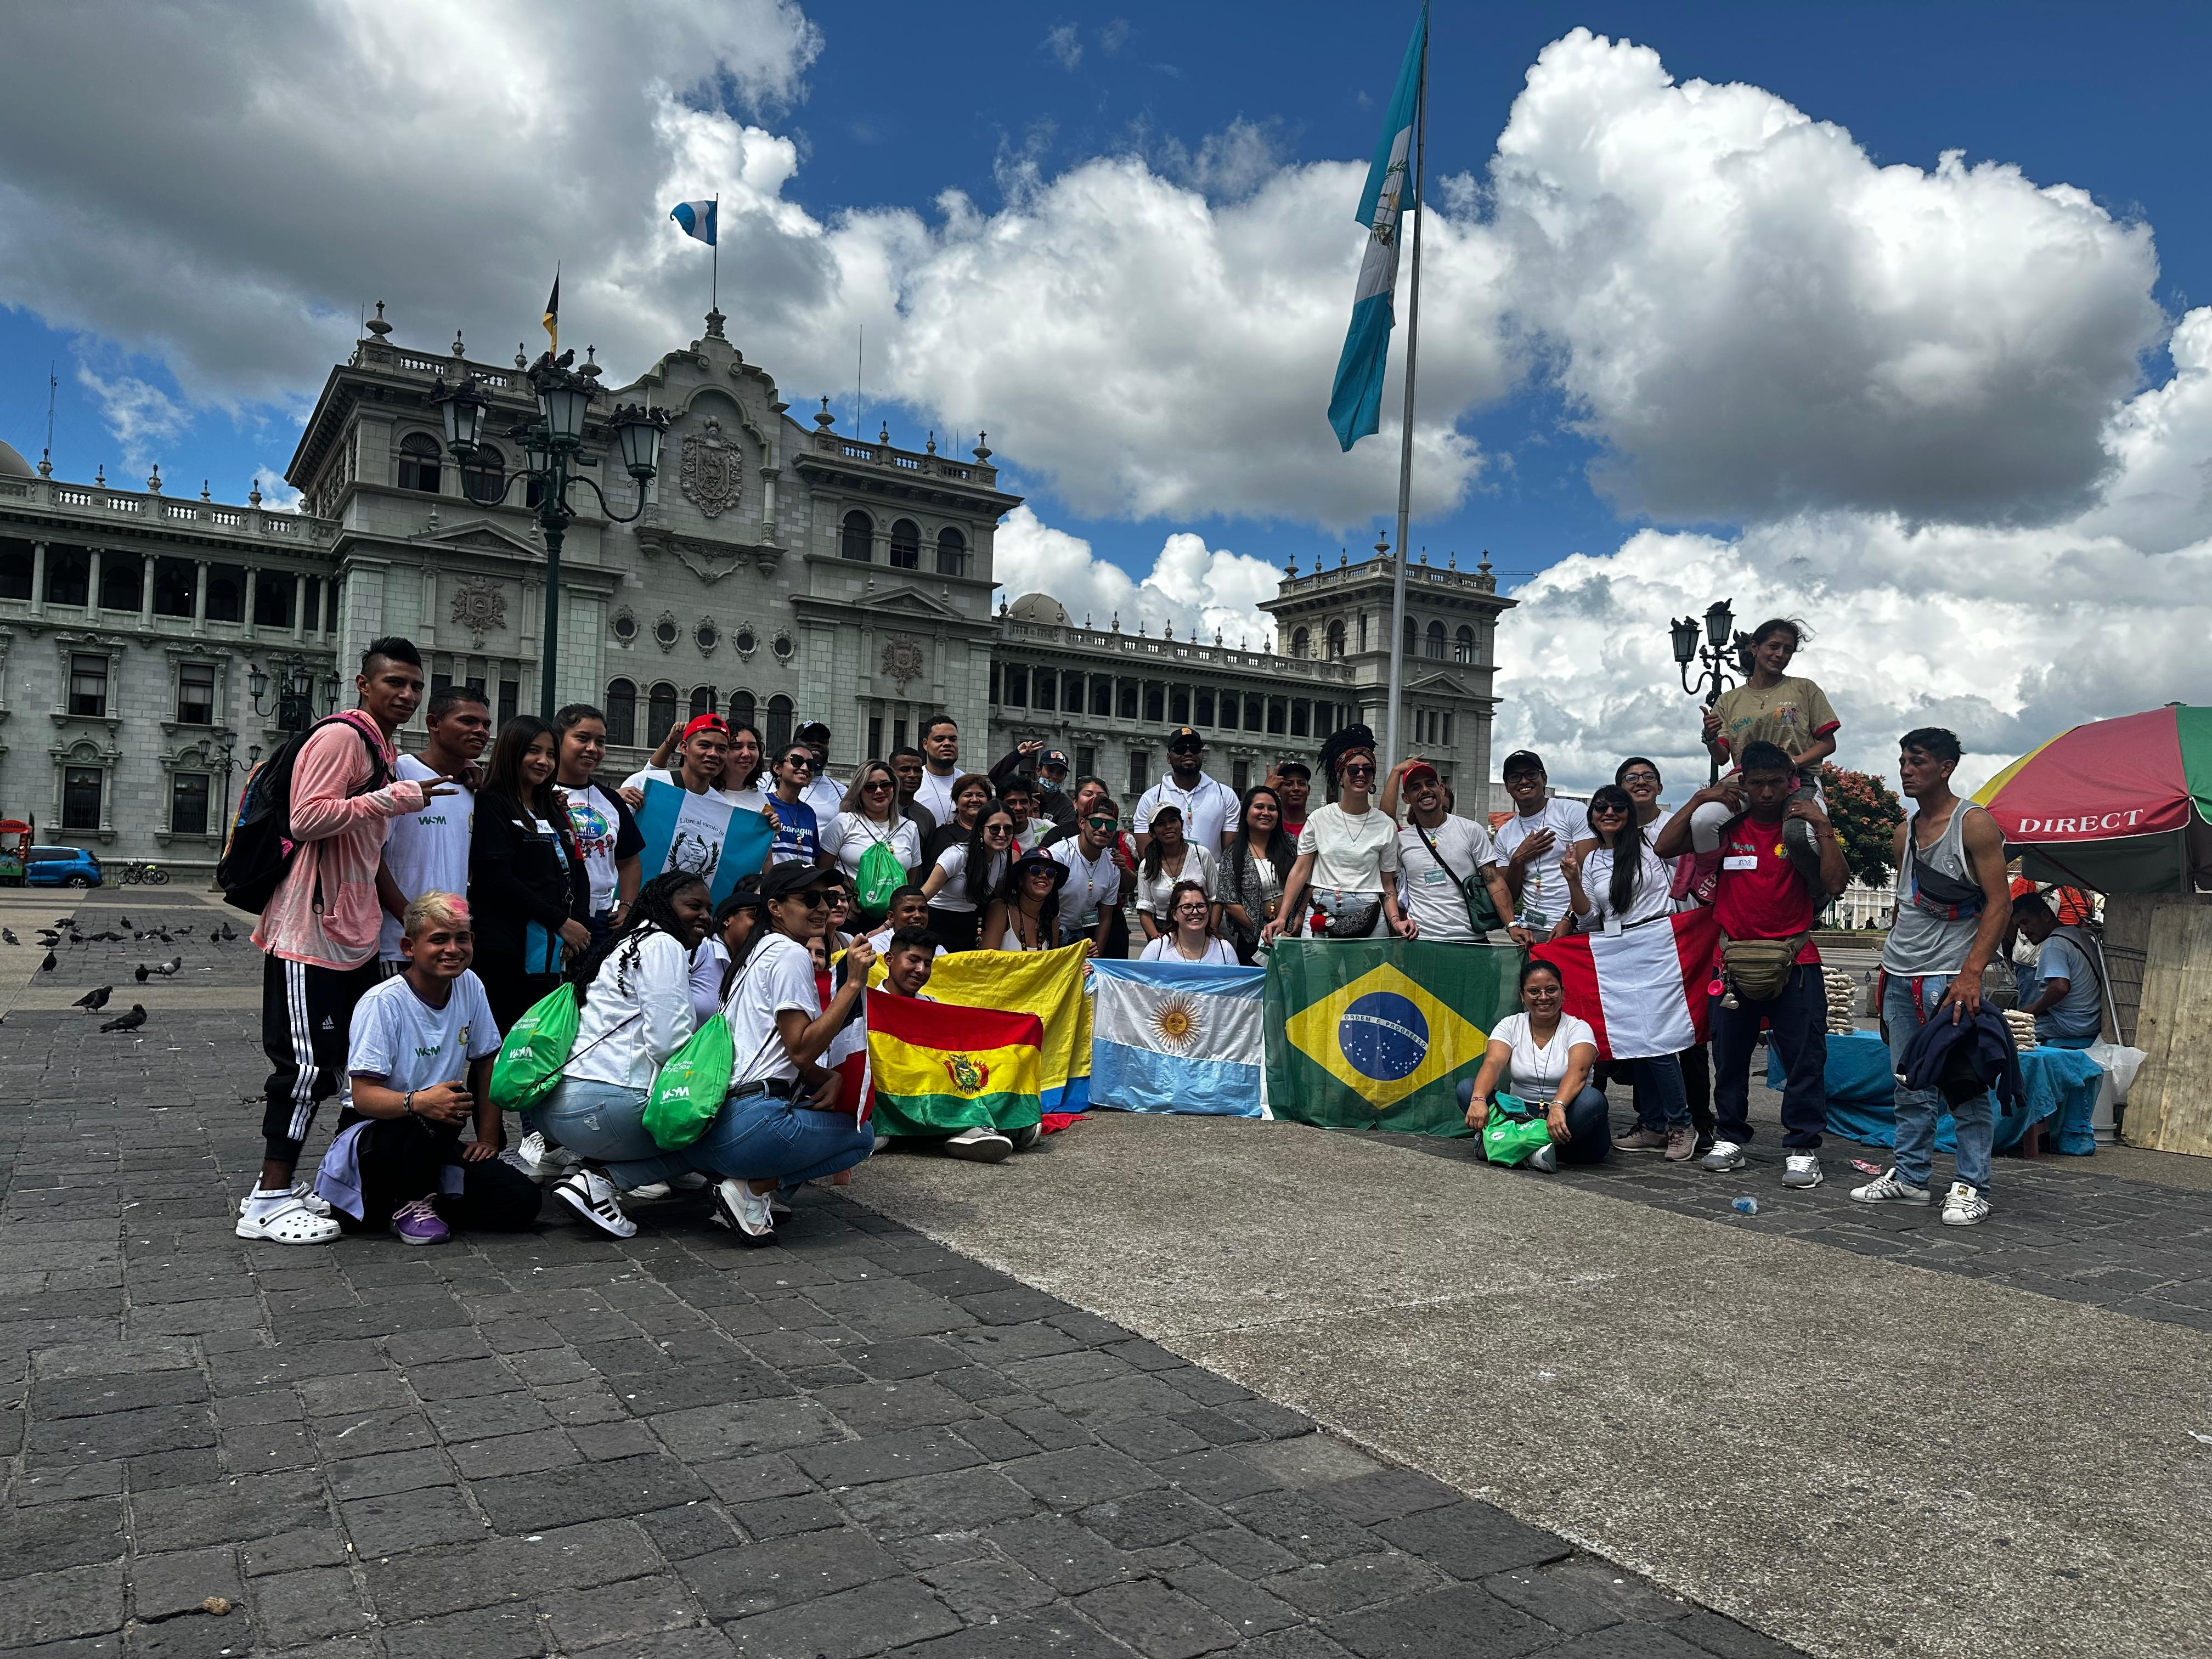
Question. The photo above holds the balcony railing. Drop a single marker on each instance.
(97, 504)
(1142, 649)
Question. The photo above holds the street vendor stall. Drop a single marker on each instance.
(2124, 806)
(2061, 1086)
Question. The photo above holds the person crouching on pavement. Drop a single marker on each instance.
(418, 1068)
(1546, 1055)
(908, 958)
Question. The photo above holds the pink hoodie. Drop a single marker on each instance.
(340, 842)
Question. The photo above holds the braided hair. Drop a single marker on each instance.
(654, 911)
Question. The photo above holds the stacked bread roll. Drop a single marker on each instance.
(1843, 1001)
(2023, 1028)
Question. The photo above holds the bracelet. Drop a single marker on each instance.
(408, 1105)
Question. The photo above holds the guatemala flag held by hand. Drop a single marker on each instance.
(703, 834)
(697, 219)
(1355, 403)
(1178, 1036)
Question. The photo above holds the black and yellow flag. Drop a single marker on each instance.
(553, 310)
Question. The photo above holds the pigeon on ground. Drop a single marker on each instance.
(143, 971)
(130, 1021)
(168, 969)
(123, 921)
(50, 964)
(64, 921)
(94, 1001)
(8, 933)
(108, 938)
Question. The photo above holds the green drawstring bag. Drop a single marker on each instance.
(534, 1051)
(1509, 1133)
(690, 1087)
(879, 876)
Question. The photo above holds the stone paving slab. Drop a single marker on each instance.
(857, 1442)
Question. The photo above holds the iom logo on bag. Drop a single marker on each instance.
(1383, 1036)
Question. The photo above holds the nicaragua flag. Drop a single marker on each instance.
(1643, 990)
(697, 219)
(1178, 1036)
(703, 834)
(1355, 403)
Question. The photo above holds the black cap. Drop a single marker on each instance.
(786, 879)
(1521, 760)
(1185, 736)
(1292, 763)
(810, 730)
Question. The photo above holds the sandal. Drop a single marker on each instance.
(289, 1222)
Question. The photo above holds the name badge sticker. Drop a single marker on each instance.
(1746, 861)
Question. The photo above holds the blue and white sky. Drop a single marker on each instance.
(1878, 314)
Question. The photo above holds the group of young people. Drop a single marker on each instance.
(437, 896)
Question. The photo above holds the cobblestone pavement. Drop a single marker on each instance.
(856, 1441)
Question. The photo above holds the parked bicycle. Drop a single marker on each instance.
(140, 870)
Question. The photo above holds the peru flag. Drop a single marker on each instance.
(1643, 989)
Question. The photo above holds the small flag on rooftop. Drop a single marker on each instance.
(553, 310)
(697, 219)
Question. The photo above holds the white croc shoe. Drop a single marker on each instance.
(287, 1220)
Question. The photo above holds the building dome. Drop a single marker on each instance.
(12, 463)
(1039, 608)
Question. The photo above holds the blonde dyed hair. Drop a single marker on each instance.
(433, 909)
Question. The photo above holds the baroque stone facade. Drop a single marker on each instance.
(779, 570)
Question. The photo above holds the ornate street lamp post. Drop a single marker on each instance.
(1713, 658)
(555, 444)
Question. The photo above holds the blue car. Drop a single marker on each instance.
(60, 866)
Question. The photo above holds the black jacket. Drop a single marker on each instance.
(515, 877)
(1960, 1060)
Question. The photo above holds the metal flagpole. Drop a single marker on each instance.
(1391, 754)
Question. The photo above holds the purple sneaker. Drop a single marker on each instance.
(418, 1223)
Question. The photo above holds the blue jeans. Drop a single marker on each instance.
(1798, 1020)
(754, 1137)
(1662, 1099)
(1973, 1121)
(602, 1122)
(1589, 1124)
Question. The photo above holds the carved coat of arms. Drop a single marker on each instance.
(481, 608)
(712, 472)
(901, 659)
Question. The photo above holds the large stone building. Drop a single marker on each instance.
(153, 644)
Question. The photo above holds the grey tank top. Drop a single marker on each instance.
(1921, 941)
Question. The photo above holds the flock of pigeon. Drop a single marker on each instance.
(94, 1000)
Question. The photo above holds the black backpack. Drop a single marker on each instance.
(260, 850)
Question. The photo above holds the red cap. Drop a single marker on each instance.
(1422, 771)
(706, 723)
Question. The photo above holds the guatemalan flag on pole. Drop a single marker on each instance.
(1355, 403)
(1643, 990)
(697, 219)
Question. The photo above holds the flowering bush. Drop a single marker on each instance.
(1866, 815)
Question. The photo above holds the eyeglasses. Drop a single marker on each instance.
(1639, 777)
(997, 829)
(1192, 908)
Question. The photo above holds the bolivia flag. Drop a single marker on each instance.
(941, 1068)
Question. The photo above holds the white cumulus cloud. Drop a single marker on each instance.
(1192, 588)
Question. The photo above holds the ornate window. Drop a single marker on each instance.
(782, 647)
(119, 579)
(665, 631)
(196, 694)
(1301, 642)
(483, 475)
(87, 690)
(660, 710)
(703, 699)
(951, 553)
(1437, 640)
(1413, 648)
(778, 734)
(419, 466)
(1463, 647)
(625, 625)
(622, 711)
(741, 710)
(906, 545)
(746, 641)
(81, 788)
(1336, 640)
(188, 802)
(707, 635)
(856, 539)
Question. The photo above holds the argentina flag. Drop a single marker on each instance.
(1355, 403)
(697, 219)
(1178, 1036)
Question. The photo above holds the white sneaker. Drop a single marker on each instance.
(1963, 1206)
(648, 1194)
(1545, 1158)
(1801, 1170)
(1725, 1154)
(282, 1218)
(743, 1211)
(533, 1157)
(980, 1145)
(594, 1198)
(1889, 1188)
(775, 1204)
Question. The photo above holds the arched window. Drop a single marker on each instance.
(418, 463)
(483, 475)
(857, 540)
(1463, 647)
(778, 735)
(120, 575)
(1336, 640)
(741, 710)
(659, 711)
(622, 711)
(906, 545)
(1301, 642)
(951, 553)
(1437, 640)
(1412, 638)
(703, 700)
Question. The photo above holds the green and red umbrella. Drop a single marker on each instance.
(2123, 805)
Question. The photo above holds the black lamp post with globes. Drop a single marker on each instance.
(1714, 657)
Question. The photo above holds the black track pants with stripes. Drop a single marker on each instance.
(307, 1017)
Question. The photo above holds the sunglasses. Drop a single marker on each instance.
(1036, 873)
(1186, 749)
(876, 785)
(997, 829)
(1609, 812)
(1103, 823)
(806, 761)
(814, 898)
(1357, 769)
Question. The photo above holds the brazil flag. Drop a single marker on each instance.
(1377, 1035)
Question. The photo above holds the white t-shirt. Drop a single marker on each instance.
(1428, 891)
(848, 837)
(778, 975)
(1163, 949)
(1537, 1071)
(621, 1039)
(747, 799)
(1198, 865)
(953, 894)
(708, 963)
(1652, 896)
(1091, 882)
(935, 793)
(1208, 807)
(597, 825)
(826, 796)
(397, 1037)
(426, 851)
(1352, 852)
(1543, 889)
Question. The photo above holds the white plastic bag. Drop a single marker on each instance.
(2118, 1063)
